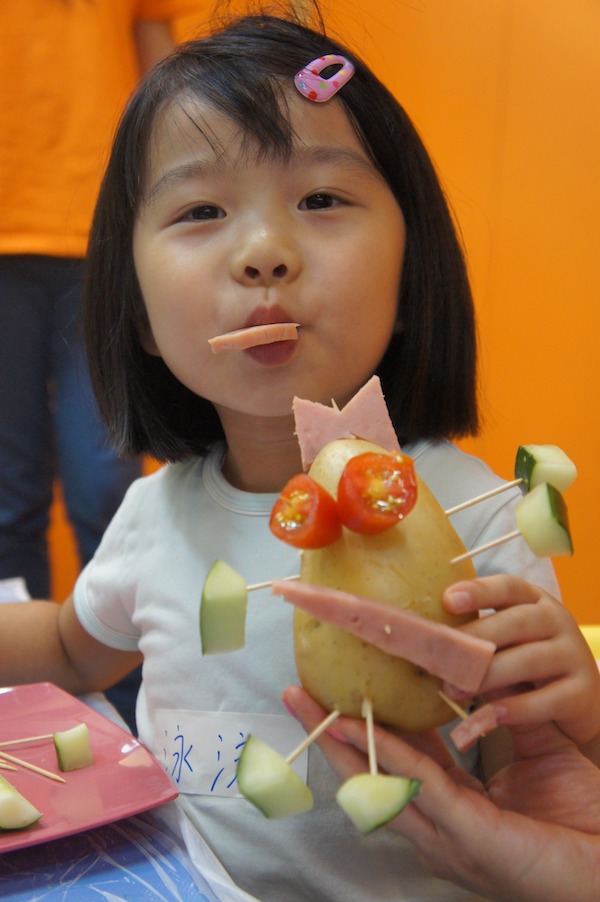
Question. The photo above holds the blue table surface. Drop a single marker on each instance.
(130, 859)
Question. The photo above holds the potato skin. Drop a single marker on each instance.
(407, 566)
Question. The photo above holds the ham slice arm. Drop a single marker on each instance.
(481, 722)
(241, 339)
(446, 652)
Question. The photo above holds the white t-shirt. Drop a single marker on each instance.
(142, 590)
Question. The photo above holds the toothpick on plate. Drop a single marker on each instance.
(483, 497)
(25, 739)
(455, 707)
(473, 551)
(312, 736)
(28, 766)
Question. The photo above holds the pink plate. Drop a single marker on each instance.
(124, 779)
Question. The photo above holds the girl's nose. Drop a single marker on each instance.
(264, 260)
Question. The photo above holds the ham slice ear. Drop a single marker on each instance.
(445, 651)
(365, 416)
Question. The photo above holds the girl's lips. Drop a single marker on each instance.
(276, 353)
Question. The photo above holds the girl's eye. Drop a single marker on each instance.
(204, 212)
(319, 201)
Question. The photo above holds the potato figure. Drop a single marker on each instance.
(408, 565)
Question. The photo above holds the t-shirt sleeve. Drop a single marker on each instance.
(105, 592)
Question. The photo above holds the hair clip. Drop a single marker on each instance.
(312, 86)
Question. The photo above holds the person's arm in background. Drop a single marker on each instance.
(154, 40)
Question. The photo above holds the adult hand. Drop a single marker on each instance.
(531, 835)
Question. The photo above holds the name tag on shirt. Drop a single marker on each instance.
(200, 749)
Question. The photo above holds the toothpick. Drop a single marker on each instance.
(367, 712)
(483, 497)
(269, 582)
(486, 547)
(456, 708)
(33, 767)
(4, 765)
(312, 736)
(25, 739)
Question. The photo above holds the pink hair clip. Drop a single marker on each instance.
(311, 84)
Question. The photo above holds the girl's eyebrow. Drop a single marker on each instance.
(194, 169)
(301, 156)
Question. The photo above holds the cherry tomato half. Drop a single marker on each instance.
(375, 491)
(305, 514)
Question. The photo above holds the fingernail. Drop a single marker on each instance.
(455, 693)
(335, 734)
(501, 713)
(459, 600)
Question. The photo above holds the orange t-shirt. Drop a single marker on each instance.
(66, 70)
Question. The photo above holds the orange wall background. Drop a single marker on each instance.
(506, 94)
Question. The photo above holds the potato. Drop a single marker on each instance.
(409, 566)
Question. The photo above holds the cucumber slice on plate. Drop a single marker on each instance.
(371, 800)
(73, 748)
(16, 812)
(267, 780)
(543, 521)
(223, 610)
(536, 464)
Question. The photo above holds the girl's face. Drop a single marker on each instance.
(227, 238)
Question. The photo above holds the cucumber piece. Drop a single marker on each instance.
(543, 521)
(536, 464)
(371, 800)
(73, 748)
(267, 780)
(223, 610)
(16, 812)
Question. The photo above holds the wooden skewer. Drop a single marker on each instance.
(312, 736)
(456, 708)
(499, 541)
(367, 712)
(483, 497)
(269, 582)
(25, 739)
(33, 767)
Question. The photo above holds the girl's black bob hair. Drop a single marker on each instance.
(428, 372)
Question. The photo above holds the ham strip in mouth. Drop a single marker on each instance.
(445, 651)
(242, 339)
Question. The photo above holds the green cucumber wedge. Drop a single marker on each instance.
(16, 812)
(536, 464)
(371, 800)
(543, 521)
(267, 780)
(223, 610)
(73, 748)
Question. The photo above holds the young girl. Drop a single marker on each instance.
(232, 200)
